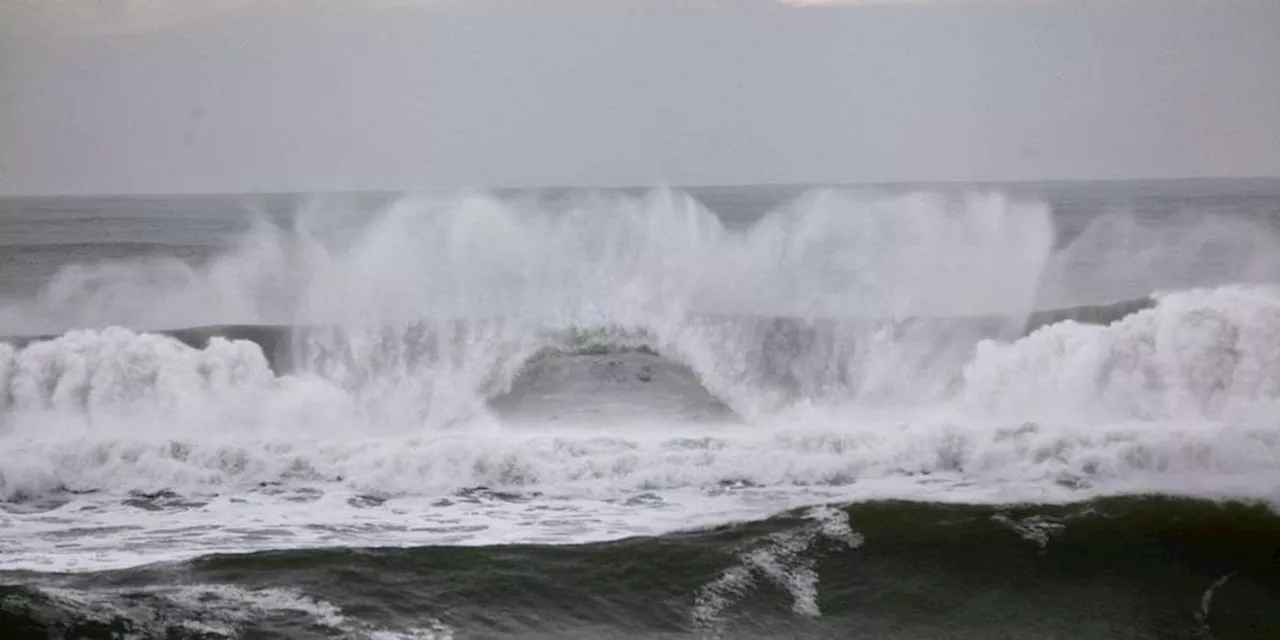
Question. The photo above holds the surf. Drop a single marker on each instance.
(634, 356)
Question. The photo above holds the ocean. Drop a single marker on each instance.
(897, 412)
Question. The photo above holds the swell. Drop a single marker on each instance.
(278, 341)
(1134, 567)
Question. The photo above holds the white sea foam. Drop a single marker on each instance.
(221, 611)
(162, 450)
(1200, 354)
(1189, 386)
(784, 559)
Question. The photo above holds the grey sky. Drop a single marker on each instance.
(155, 96)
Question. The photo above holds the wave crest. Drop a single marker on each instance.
(1203, 353)
(856, 337)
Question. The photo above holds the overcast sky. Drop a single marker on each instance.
(233, 95)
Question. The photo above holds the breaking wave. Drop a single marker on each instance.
(843, 338)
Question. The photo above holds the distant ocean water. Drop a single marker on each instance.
(960, 411)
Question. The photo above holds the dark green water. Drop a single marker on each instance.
(1131, 568)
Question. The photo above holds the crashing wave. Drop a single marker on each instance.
(849, 339)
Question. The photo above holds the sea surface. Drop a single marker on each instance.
(898, 412)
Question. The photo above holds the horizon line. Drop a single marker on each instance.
(1016, 182)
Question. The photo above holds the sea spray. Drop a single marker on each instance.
(839, 333)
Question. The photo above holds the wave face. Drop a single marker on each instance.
(629, 365)
(1130, 568)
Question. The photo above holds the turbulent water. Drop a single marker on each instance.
(655, 414)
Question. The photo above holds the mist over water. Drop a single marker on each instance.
(476, 254)
(596, 346)
(482, 283)
(962, 410)
(487, 285)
